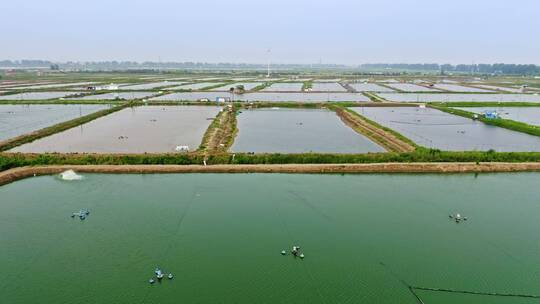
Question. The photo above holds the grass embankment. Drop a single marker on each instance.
(261, 86)
(474, 104)
(373, 97)
(498, 122)
(15, 174)
(220, 135)
(388, 139)
(13, 160)
(26, 138)
(217, 85)
(307, 85)
(58, 102)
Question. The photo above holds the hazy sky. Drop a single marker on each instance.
(297, 31)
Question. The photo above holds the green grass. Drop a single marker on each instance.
(484, 104)
(499, 122)
(307, 85)
(8, 161)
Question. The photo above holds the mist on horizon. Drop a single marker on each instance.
(240, 31)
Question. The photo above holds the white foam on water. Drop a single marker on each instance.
(70, 175)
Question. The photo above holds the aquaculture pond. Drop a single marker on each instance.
(500, 88)
(410, 87)
(297, 131)
(113, 96)
(266, 97)
(37, 95)
(369, 87)
(284, 87)
(247, 86)
(194, 86)
(54, 85)
(366, 238)
(17, 120)
(152, 129)
(460, 88)
(328, 87)
(149, 86)
(529, 115)
(457, 97)
(435, 129)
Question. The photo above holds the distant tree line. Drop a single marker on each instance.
(150, 65)
(497, 68)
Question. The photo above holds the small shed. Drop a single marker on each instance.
(491, 114)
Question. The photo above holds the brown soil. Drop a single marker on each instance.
(24, 172)
(385, 139)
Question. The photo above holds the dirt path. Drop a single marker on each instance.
(385, 139)
(24, 172)
(221, 133)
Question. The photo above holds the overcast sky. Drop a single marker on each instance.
(296, 31)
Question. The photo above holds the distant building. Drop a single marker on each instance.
(491, 114)
(223, 99)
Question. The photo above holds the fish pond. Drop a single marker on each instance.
(528, 115)
(459, 88)
(369, 87)
(113, 96)
(366, 238)
(297, 131)
(457, 97)
(328, 87)
(37, 95)
(152, 129)
(149, 86)
(284, 87)
(410, 87)
(435, 129)
(195, 86)
(266, 97)
(247, 86)
(17, 120)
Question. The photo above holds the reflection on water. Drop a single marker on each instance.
(133, 130)
(435, 129)
(297, 131)
(17, 120)
(270, 97)
(222, 234)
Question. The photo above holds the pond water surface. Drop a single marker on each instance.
(150, 129)
(435, 129)
(297, 131)
(17, 120)
(365, 238)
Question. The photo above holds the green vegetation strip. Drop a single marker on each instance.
(373, 97)
(13, 160)
(23, 139)
(307, 85)
(220, 135)
(499, 122)
(378, 126)
(56, 102)
(484, 104)
(262, 86)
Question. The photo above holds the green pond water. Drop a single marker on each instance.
(366, 238)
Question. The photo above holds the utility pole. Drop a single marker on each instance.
(268, 66)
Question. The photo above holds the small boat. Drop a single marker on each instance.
(151, 281)
(170, 276)
(283, 252)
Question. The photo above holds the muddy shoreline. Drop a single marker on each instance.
(15, 174)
